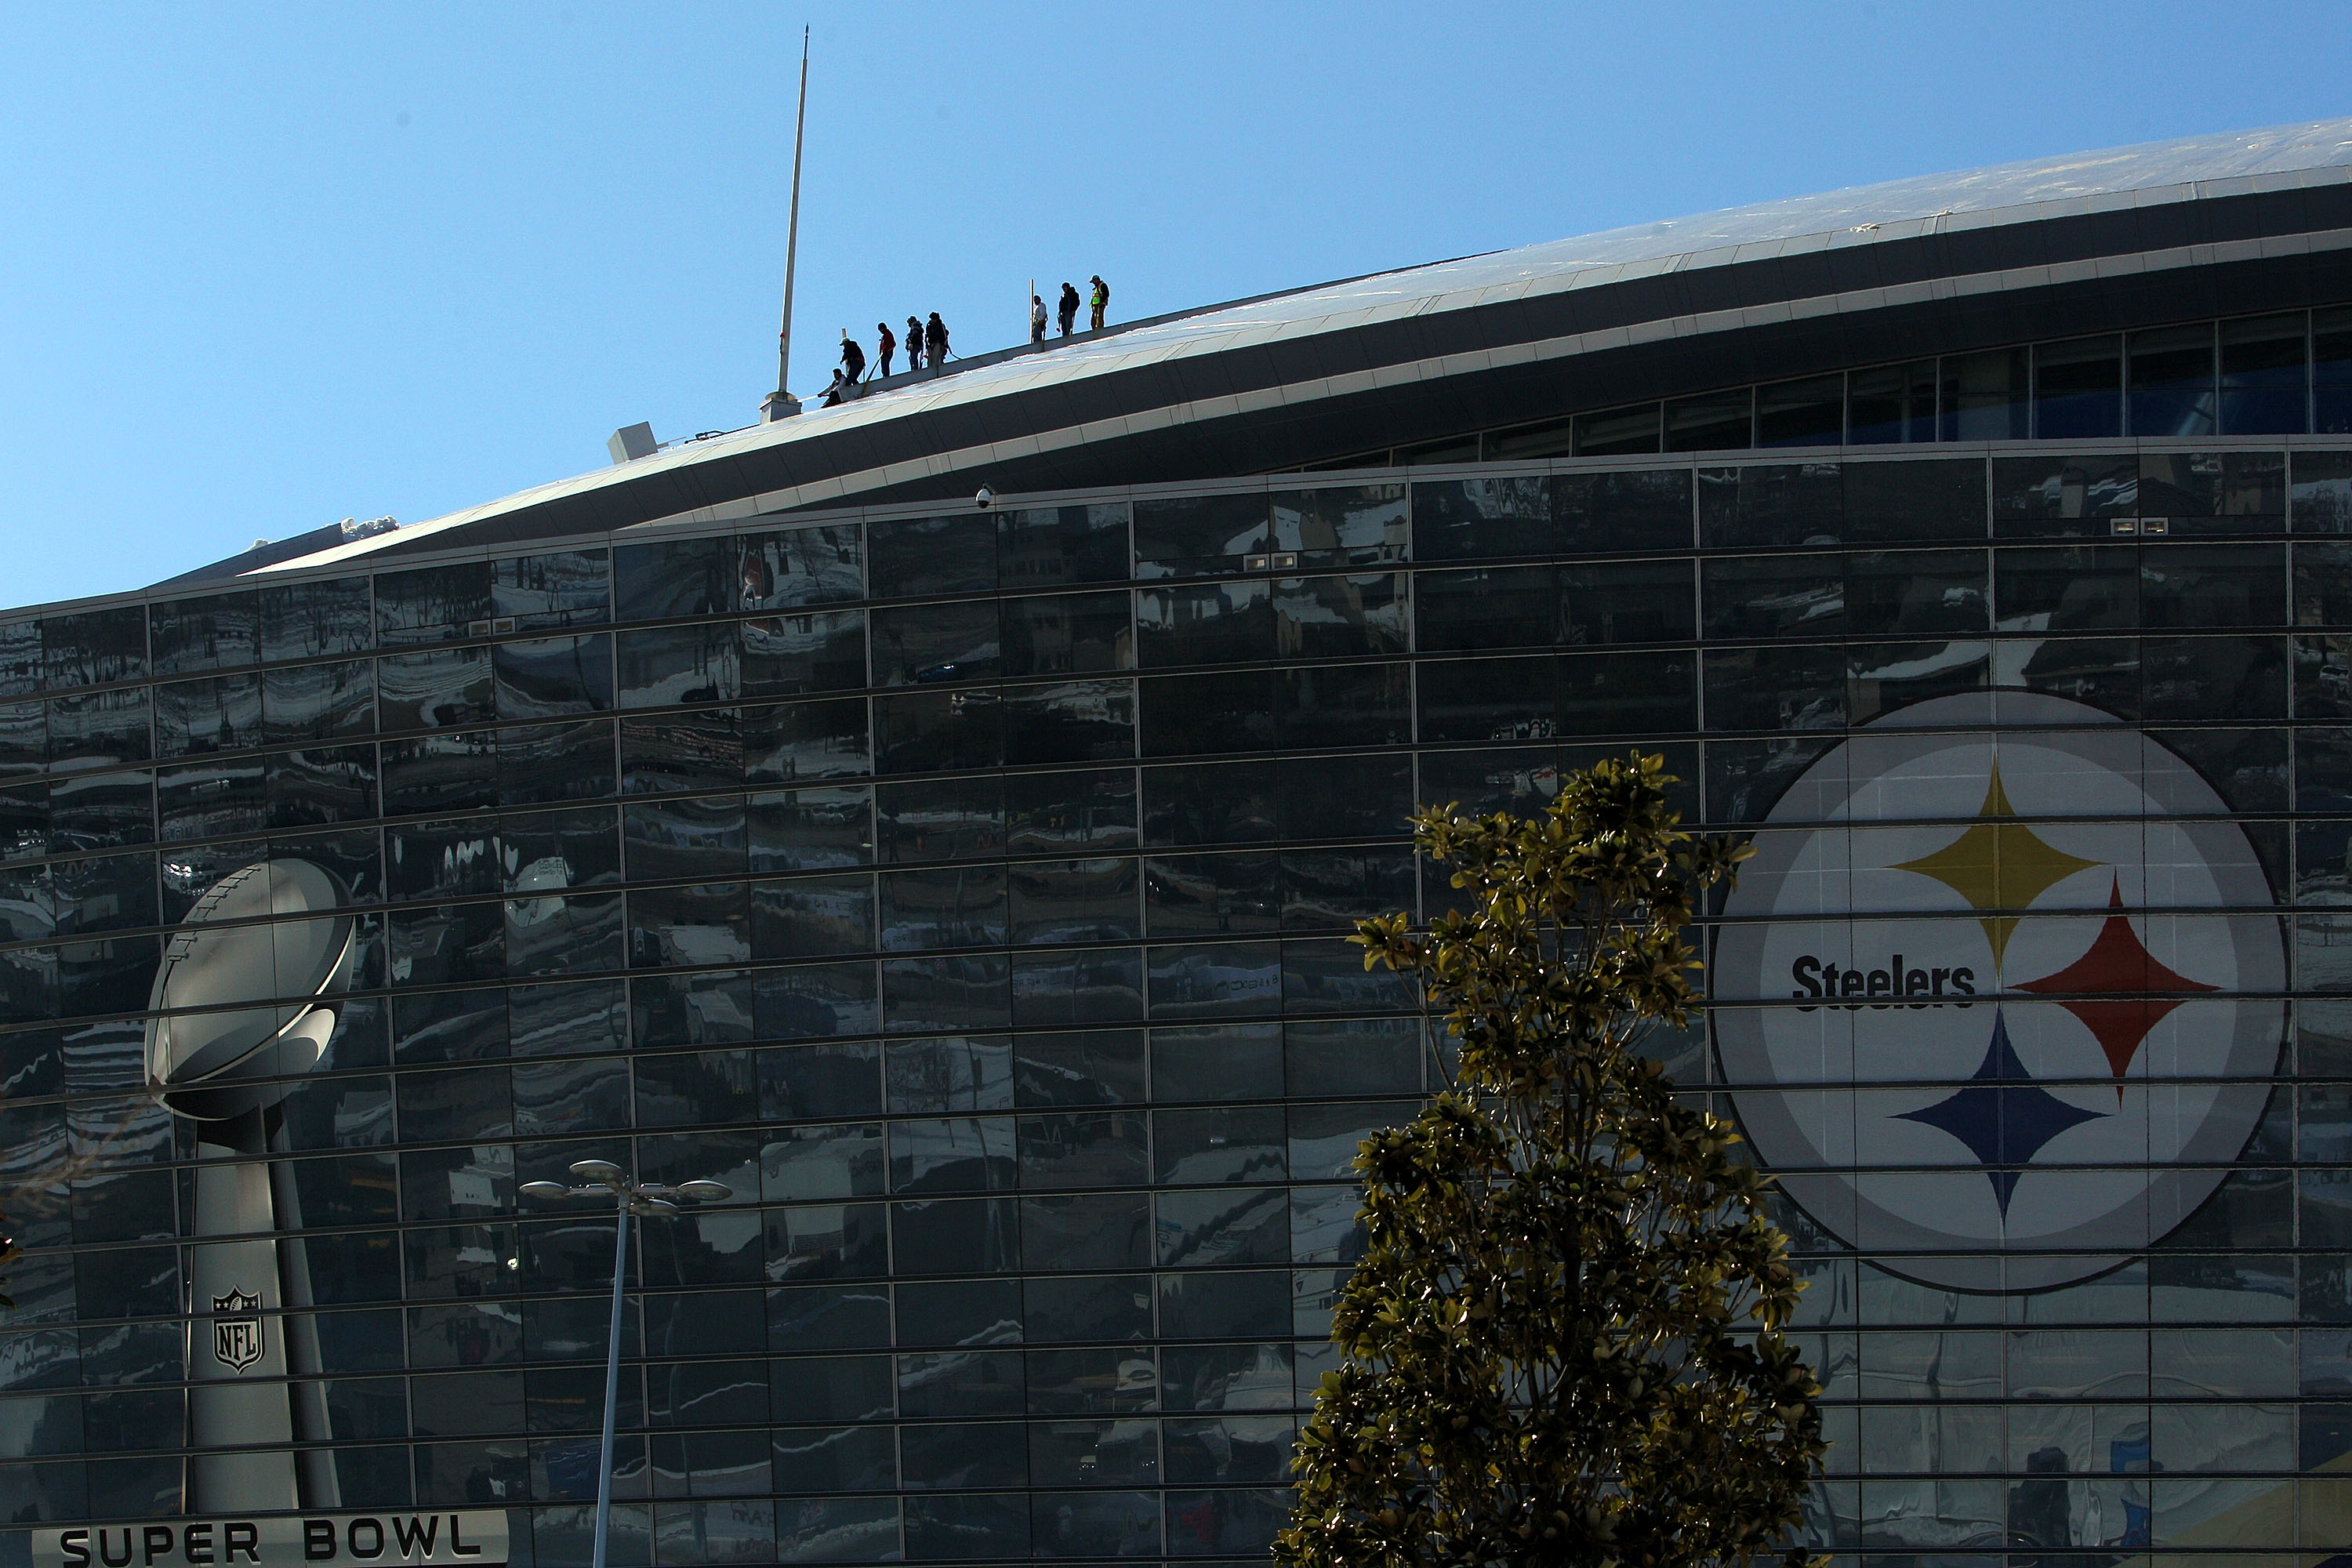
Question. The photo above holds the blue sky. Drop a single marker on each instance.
(263, 266)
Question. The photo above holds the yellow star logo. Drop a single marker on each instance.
(1999, 864)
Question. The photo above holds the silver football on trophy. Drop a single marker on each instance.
(235, 1003)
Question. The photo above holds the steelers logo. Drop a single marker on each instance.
(2000, 1008)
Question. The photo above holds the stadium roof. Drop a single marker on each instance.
(1318, 372)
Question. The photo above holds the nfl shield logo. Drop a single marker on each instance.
(237, 1329)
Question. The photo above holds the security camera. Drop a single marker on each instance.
(985, 498)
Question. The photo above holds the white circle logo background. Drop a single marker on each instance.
(1939, 1104)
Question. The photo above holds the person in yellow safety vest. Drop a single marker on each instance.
(1098, 303)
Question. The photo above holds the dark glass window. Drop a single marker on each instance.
(1807, 412)
(1187, 536)
(1224, 622)
(1485, 608)
(1470, 520)
(1187, 803)
(1984, 397)
(1341, 617)
(2062, 496)
(924, 645)
(943, 906)
(554, 678)
(2265, 369)
(2331, 370)
(95, 647)
(1348, 525)
(1903, 592)
(1626, 693)
(1068, 633)
(192, 635)
(1791, 687)
(799, 655)
(1891, 404)
(917, 557)
(2212, 585)
(20, 658)
(321, 786)
(1190, 715)
(1915, 500)
(939, 731)
(1774, 504)
(438, 860)
(813, 917)
(440, 689)
(702, 838)
(699, 661)
(1042, 547)
(1551, 439)
(1343, 796)
(1716, 422)
(1216, 1062)
(317, 620)
(672, 928)
(2077, 387)
(797, 567)
(546, 763)
(673, 579)
(1234, 893)
(217, 713)
(2242, 491)
(1612, 432)
(431, 604)
(946, 819)
(2193, 678)
(99, 730)
(1487, 700)
(1070, 721)
(2172, 391)
(318, 702)
(1773, 595)
(1631, 508)
(1063, 812)
(440, 774)
(24, 738)
(811, 829)
(1627, 601)
(797, 740)
(1331, 706)
(566, 588)
(2067, 588)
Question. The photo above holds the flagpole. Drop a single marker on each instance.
(781, 405)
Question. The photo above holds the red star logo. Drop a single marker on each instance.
(2118, 961)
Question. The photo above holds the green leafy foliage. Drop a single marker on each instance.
(1564, 1344)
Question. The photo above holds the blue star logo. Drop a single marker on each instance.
(2003, 1116)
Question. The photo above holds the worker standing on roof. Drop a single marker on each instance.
(853, 359)
(1098, 301)
(885, 345)
(935, 342)
(1069, 311)
(914, 345)
(1036, 320)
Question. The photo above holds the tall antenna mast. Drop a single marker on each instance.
(782, 404)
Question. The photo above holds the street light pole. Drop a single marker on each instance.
(601, 1178)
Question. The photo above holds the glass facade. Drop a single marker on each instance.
(967, 892)
(2285, 373)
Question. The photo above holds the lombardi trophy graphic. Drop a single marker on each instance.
(238, 1017)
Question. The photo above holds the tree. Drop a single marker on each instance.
(1564, 1343)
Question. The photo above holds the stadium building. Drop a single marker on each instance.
(965, 888)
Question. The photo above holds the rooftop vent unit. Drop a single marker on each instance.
(631, 442)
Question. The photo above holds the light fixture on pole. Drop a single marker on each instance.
(646, 1200)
